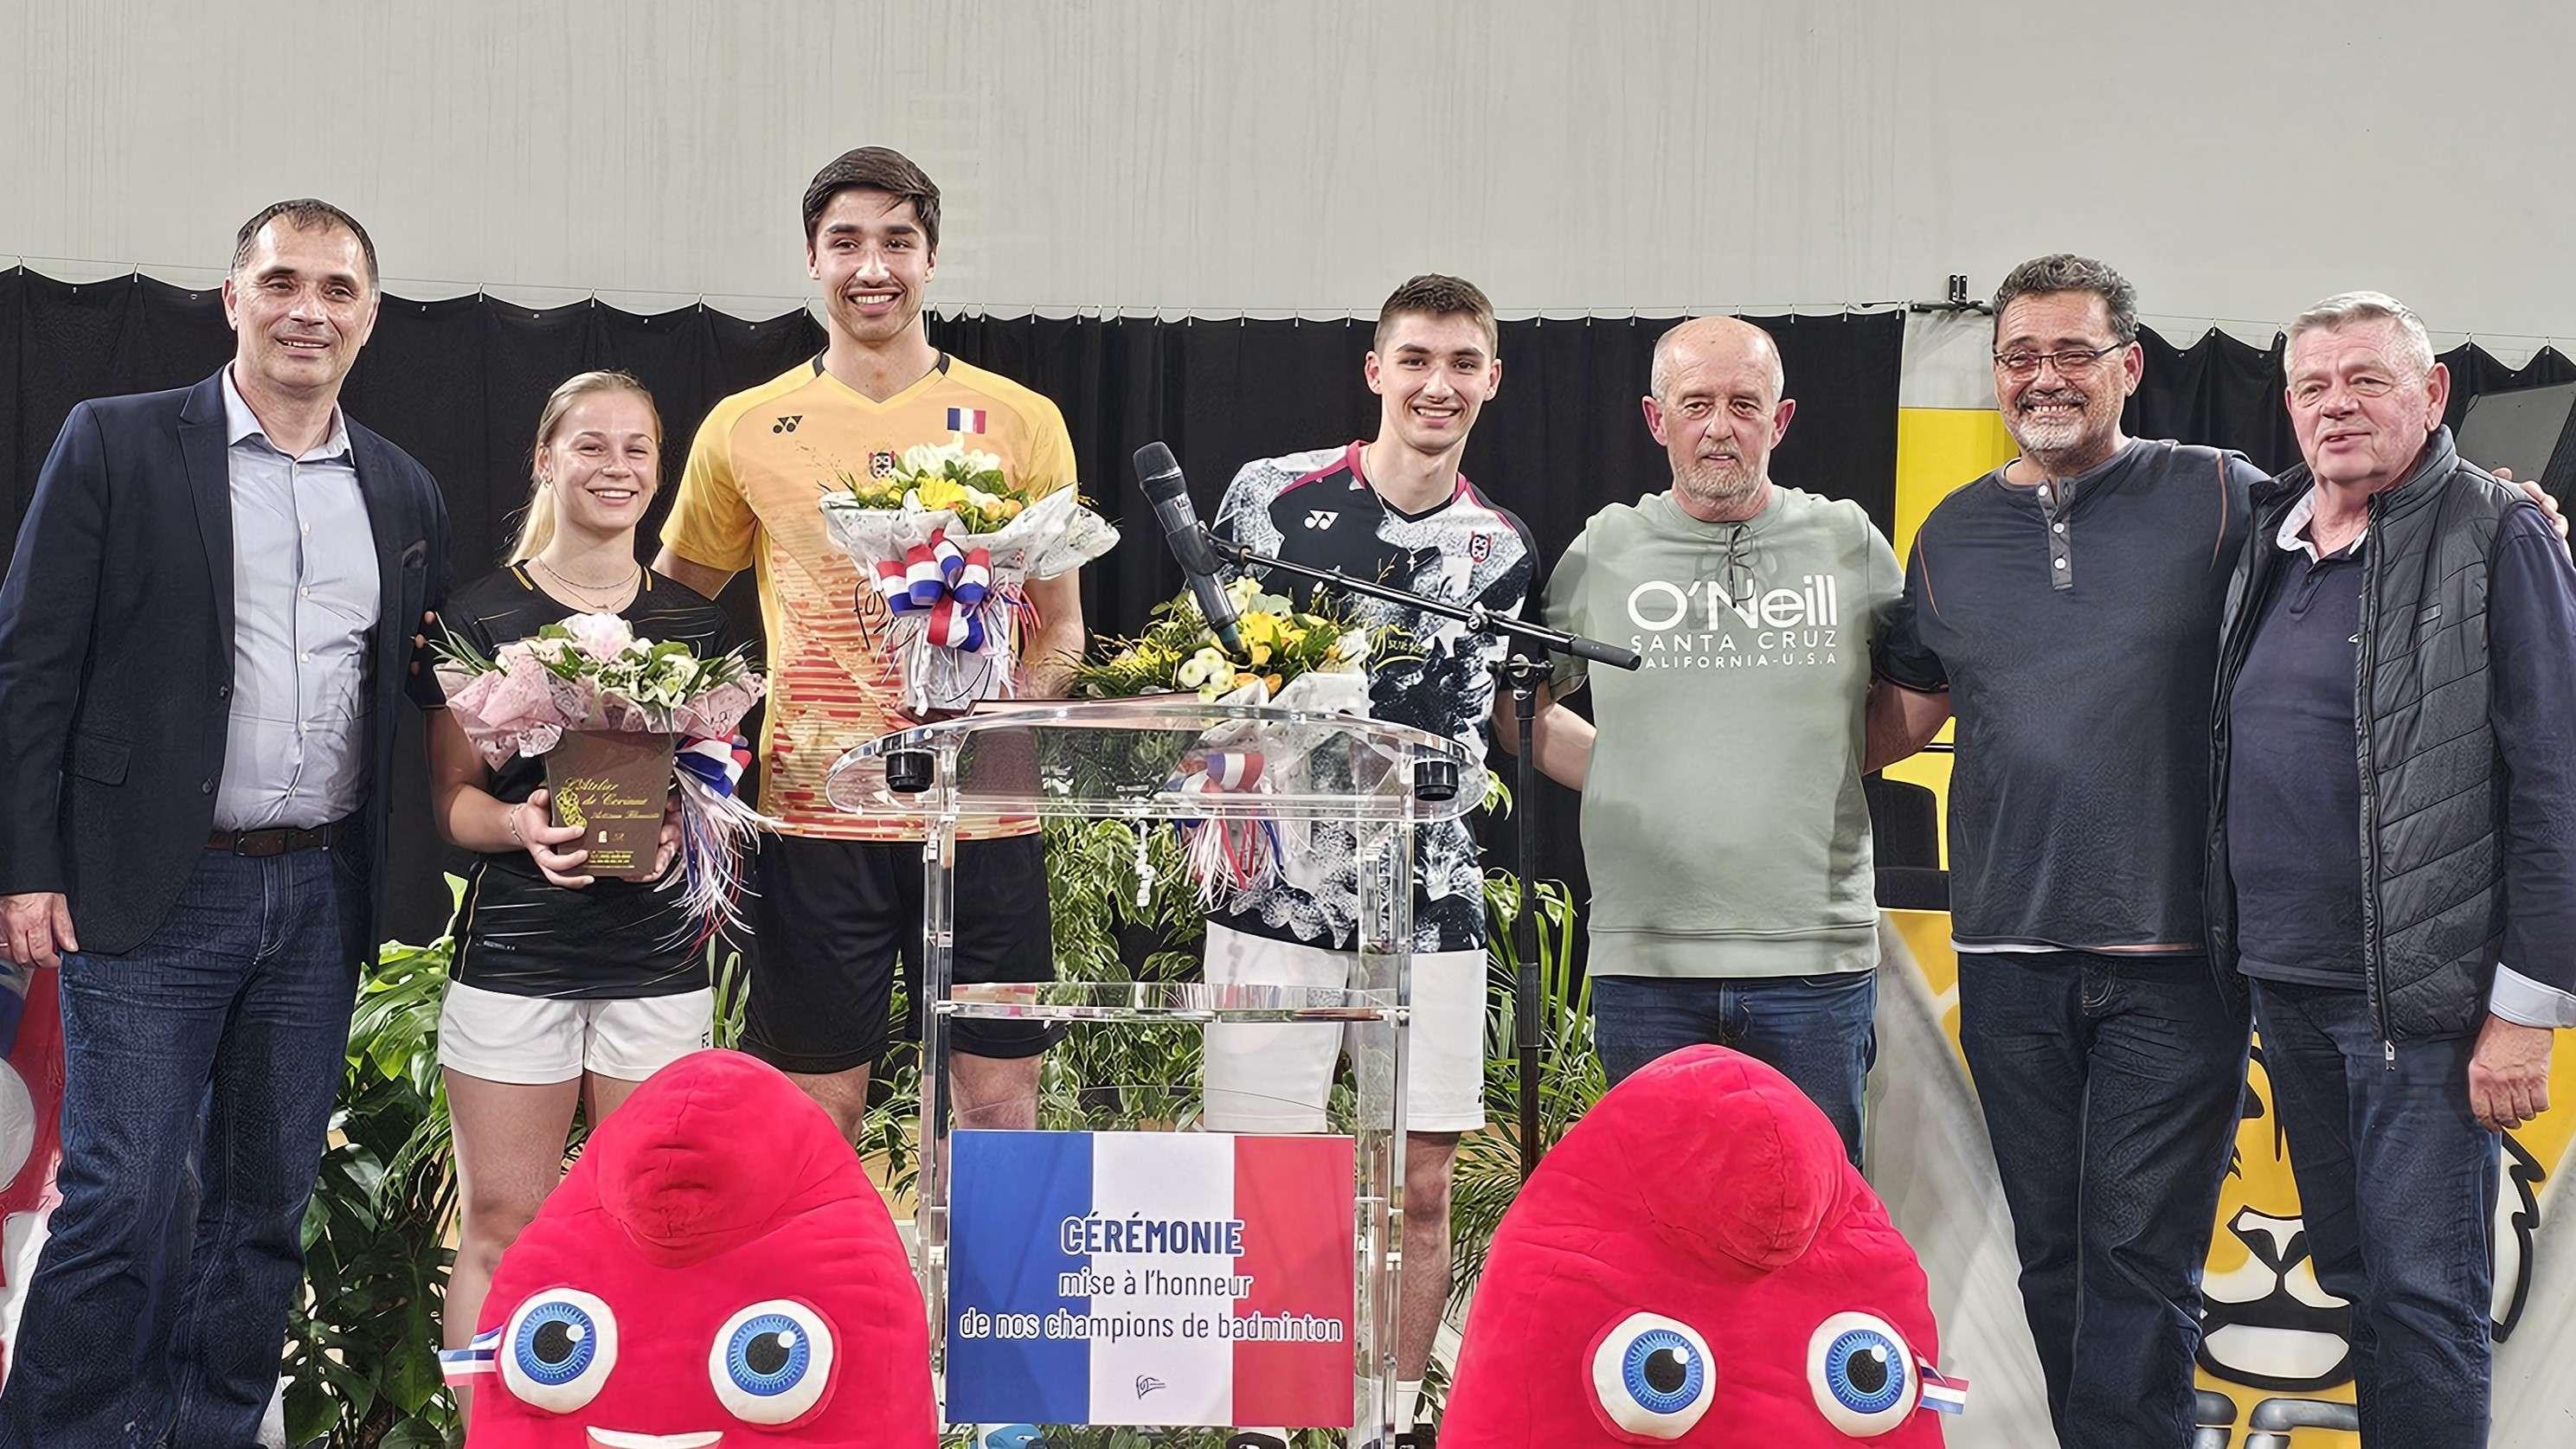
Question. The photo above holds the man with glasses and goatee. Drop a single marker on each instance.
(2066, 607)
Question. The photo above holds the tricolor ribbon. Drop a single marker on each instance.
(1226, 770)
(717, 828)
(481, 1355)
(1239, 855)
(1940, 1393)
(947, 584)
(717, 764)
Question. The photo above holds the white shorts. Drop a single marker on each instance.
(1275, 1077)
(534, 1041)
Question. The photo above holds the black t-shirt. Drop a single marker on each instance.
(1318, 509)
(515, 932)
(2075, 626)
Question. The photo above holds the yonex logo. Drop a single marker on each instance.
(1321, 518)
(787, 424)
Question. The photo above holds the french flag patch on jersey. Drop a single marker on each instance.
(965, 420)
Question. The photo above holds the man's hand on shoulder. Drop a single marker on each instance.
(36, 928)
(2540, 496)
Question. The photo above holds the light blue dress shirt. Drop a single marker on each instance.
(305, 608)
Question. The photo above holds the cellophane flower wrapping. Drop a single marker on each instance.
(1313, 660)
(590, 672)
(1232, 860)
(954, 642)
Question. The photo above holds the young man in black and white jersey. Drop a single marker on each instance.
(1394, 509)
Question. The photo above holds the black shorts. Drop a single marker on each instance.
(833, 918)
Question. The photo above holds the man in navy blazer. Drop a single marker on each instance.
(205, 635)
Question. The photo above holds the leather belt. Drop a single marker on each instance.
(280, 840)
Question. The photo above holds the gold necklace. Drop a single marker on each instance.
(584, 592)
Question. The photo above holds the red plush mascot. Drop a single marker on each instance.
(716, 1269)
(31, 1143)
(1697, 1264)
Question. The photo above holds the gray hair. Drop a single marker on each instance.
(2345, 308)
(2067, 272)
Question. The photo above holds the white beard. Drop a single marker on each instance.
(1717, 486)
(2043, 434)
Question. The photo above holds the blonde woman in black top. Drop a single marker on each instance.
(566, 990)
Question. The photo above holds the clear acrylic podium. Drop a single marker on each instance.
(1357, 784)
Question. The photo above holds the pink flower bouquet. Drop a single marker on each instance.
(590, 673)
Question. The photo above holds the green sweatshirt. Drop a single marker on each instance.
(1723, 822)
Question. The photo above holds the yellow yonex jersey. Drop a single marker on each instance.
(752, 498)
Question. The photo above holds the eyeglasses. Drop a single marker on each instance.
(2068, 362)
(1734, 574)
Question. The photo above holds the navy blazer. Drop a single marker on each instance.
(116, 655)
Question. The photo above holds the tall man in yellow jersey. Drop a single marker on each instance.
(839, 905)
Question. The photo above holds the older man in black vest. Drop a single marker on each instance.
(2393, 845)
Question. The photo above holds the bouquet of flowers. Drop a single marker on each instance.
(1314, 660)
(1281, 644)
(589, 676)
(945, 547)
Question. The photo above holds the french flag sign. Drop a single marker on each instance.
(966, 420)
(1150, 1278)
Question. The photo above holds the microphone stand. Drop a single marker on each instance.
(1522, 674)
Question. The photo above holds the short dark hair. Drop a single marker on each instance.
(2067, 272)
(305, 214)
(874, 168)
(1435, 295)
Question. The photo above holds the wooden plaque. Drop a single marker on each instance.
(612, 784)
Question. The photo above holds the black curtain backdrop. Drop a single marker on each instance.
(459, 384)
(2226, 392)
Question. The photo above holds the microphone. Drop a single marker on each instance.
(1600, 653)
(1160, 474)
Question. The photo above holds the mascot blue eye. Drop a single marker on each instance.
(1664, 1372)
(1861, 1373)
(556, 1343)
(558, 1350)
(1652, 1376)
(768, 1355)
(771, 1363)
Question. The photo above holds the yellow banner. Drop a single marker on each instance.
(2275, 1367)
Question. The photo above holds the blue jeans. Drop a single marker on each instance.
(221, 1038)
(2397, 1185)
(2112, 1090)
(1821, 1032)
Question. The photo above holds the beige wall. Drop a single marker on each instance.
(1305, 154)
